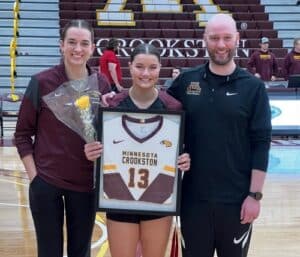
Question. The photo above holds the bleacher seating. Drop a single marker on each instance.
(252, 22)
(179, 30)
(37, 33)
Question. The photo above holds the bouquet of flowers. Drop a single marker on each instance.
(75, 103)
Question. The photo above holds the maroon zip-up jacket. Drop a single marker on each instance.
(57, 150)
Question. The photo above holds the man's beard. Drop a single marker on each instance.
(219, 61)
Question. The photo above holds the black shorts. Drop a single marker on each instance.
(131, 218)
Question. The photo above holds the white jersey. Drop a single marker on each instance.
(140, 162)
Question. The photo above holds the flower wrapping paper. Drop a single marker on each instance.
(76, 103)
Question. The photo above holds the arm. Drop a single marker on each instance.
(103, 83)
(176, 89)
(105, 98)
(112, 69)
(251, 64)
(251, 208)
(260, 138)
(275, 68)
(257, 180)
(26, 126)
(30, 167)
(286, 67)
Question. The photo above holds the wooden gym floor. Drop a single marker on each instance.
(276, 232)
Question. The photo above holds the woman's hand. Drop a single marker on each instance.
(105, 98)
(93, 150)
(184, 162)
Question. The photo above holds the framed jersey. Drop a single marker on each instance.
(137, 171)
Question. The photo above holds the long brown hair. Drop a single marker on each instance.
(77, 24)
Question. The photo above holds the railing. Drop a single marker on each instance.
(13, 53)
(13, 73)
(12, 96)
(16, 18)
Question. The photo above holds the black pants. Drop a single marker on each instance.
(208, 227)
(49, 205)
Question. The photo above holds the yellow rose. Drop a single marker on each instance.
(83, 102)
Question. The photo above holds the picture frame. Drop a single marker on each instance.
(137, 171)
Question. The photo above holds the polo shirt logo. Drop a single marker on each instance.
(193, 89)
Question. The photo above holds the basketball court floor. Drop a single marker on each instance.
(276, 232)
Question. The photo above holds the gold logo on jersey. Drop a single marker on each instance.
(297, 57)
(166, 143)
(265, 56)
(193, 88)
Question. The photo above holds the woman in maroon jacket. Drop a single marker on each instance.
(61, 178)
(292, 60)
(126, 230)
